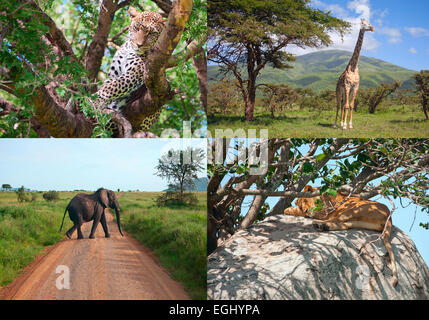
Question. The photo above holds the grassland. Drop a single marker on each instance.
(25, 229)
(396, 121)
(177, 236)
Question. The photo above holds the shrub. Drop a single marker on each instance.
(22, 196)
(33, 197)
(51, 195)
(175, 199)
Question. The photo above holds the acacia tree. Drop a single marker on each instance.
(54, 55)
(422, 89)
(223, 97)
(6, 186)
(372, 97)
(394, 168)
(247, 35)
(180, 167)
(278, 96)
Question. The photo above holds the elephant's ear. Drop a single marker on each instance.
(104, 199)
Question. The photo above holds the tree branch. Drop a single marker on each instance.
(98, 45)
(192, 49)
(156, 91)
(164, 5)
(55, 35)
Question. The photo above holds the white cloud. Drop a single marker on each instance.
(361, 7)
(412, 50)
(335, 9)
(394, 34)
(353, 13)
(384, 13)
(418, 32)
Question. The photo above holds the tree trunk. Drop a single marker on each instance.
(200, 64)
(250, 101)
(425, 107)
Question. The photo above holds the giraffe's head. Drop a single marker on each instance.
(365, 25)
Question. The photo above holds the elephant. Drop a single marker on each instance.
(86, 207)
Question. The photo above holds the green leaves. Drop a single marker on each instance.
(320, 157)
(307, 167)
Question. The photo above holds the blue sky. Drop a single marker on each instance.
(88, 164)
(401, 32)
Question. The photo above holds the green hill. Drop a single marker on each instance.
(320, 71)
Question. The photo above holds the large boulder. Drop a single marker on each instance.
(284, 257)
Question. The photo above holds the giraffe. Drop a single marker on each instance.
(348, 83)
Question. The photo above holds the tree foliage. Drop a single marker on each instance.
(181, 168)
(372, 97)
(390, 168)
(224, 97)
(422, 89)
(278, 97)
(247, 35)
(51, 195)
(24, 196)
(6, 186)
(54, 54)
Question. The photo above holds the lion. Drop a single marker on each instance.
(341, 212)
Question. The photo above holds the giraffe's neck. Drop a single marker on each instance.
(355, 57)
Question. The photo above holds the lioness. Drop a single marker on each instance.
(340, 213)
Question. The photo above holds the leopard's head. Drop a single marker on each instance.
(144, 30)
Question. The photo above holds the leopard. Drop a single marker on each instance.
(126, 72)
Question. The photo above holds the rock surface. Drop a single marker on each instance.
(284, 257)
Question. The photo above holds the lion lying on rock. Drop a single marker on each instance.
(342, 213)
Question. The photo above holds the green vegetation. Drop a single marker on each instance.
(257, 33)
(389, 101)
(320, 71)
(177, 235)
(394, 121)
(51, 195)
(25, 229)
(422, 90)
(83, 38)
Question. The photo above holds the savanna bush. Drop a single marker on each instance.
(51, 195)
(171, 198)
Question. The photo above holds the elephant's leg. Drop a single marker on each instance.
(79, 231)
(95, 223)
(104, 224)
(70, 231)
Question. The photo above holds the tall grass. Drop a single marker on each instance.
(178, 236)
(25, 229)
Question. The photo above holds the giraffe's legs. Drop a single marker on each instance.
(342, 108)
(352, 104)
(346, 106)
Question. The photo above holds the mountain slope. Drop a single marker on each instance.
(320, 71)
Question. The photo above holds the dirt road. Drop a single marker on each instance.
(114, 268)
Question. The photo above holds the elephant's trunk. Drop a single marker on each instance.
(118, 219)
